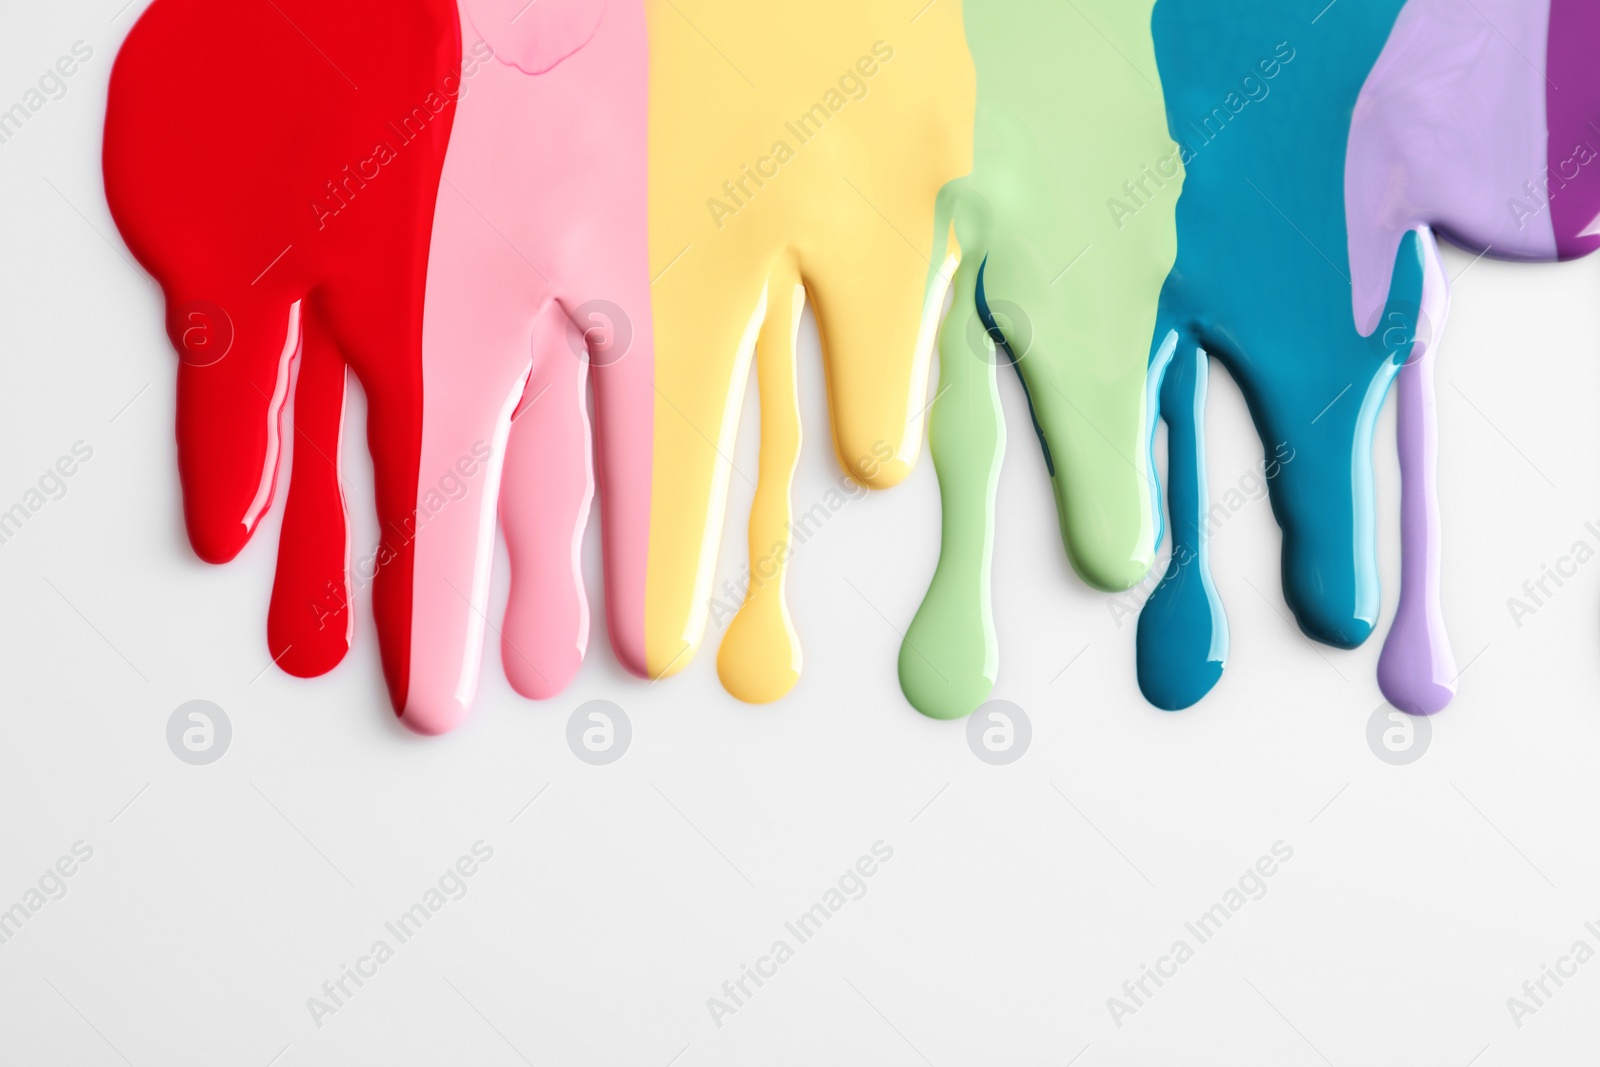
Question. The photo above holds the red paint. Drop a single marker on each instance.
(260, 153)
(309, 622)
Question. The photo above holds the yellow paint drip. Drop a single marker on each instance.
(794, 147)
(760, 656)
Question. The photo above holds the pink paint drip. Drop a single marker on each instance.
(539, 239)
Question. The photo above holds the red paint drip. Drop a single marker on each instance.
(274, 164)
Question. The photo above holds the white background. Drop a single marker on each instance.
(1018, 900)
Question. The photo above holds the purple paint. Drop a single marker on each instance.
(1449, 132)
(1573, 100)
(1450, 135)
(1417, 670)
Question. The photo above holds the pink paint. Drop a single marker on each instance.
(540, 224)
(533, 35)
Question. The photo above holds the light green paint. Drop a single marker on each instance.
(1070, 117)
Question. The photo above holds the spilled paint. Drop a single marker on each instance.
(478, 399)
(836, 125)
(538, 280)
(516, 288)
(433, 232)
(1475, 124)
(1183, 631)
(302, 245)
(1262, 104)
(1447, 134)
(1572, 98)
(1065, 226)
(1478, 97)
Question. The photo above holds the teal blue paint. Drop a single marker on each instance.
(1261, 284)
(1183, 632)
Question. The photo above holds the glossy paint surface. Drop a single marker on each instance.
(434, 233)
(496, 322)
(1183, 631)
(1448, 129)
(1065, 229)
(1572, 96)
(836, 125)
(538, 283)
(1262, 284)
(294, 241)
(1475, 125)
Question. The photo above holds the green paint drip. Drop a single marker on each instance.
(950, 655)
(1069, 213)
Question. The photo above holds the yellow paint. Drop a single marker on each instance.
(791, 144)
(760, 656)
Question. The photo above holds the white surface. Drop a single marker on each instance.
(1018, 900)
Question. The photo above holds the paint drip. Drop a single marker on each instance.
(1475, 125)
(1261, 285)
(529, 299)
(1065, 227)
(280, 192)
(837, 125)
(431, 233)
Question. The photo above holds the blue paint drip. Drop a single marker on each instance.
(1261, 283)
(1183, 632)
